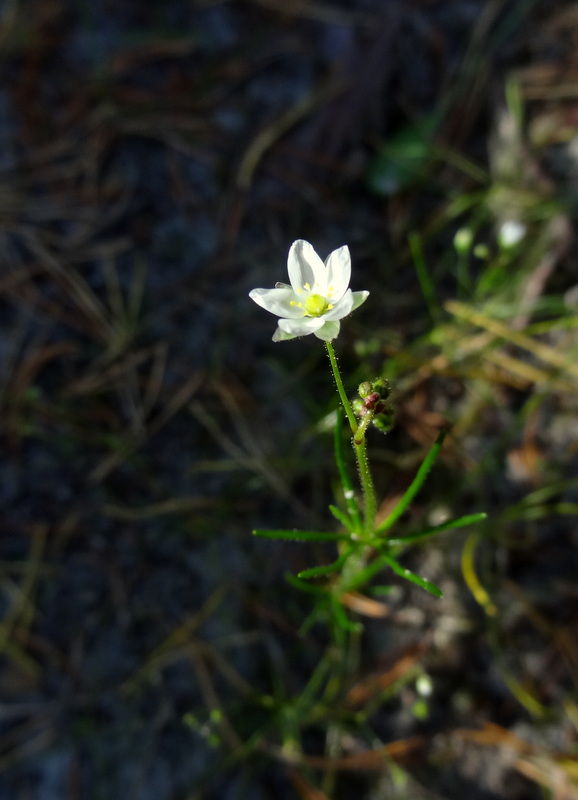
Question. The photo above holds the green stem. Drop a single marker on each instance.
(358, 446)
(362, 427)
(367, 485)
(341, 388)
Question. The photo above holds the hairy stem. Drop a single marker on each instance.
(358, 442)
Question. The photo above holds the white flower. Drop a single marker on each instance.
(318, 297)
(511, 233)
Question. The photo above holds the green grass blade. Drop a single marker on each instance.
(425, 279)
(415, 485)
(300, 536)
(539, 512)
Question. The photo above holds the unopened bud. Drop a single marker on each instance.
(381, 386)
(384, 421)
(463, 241)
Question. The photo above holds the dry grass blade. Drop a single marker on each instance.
(99, 376)
(19, 383)
(252, 456)
(213, 702)
(304, 788)
(549, 355)
(181, 644)
(34, 736)
(136, 439)
(559, 778)
(320, 12)
(367, 689)
(401, 751)
(267, 137)
(563, 637)
(180, 637)
(78, 288)
(366, 606)
(556, 772)
(175, 505)
(21, 610)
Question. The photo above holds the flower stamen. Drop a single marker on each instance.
(315, 305)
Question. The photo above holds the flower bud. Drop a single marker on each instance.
(358, 407)
(384, 421)
(381, 386)
(463, 241)
(364, 389)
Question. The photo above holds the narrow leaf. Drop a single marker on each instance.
(424, 276)
(411, 576)
(325, 569)
(343, 518)
(301, 536)
(304, 586)
(343, 620)
(467, 519)
(365, 575)
(415, 485)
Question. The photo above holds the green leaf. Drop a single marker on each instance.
(343, 518)
(401, 160)
(301, 536)
(325, 569)
(343, 620)
(381, 591)
(382, 560)
(304, 586)
(403, 572)
(365, 575)
(414, 486)
(460, 522)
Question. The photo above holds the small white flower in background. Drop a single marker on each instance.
(318, 297)
(511, 233)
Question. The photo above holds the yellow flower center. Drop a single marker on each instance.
(315, 305)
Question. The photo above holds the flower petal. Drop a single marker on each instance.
(280, 302)
(305, 267)
(348, 303)
(329, 331)
(281, 336)
(359, 298)
(342, 308)
(338, 264)
(300, 327)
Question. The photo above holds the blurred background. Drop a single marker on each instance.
(157, 160)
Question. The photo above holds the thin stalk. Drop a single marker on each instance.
(348, 493)
(341, 388)
(358, 446)
(367, 485)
